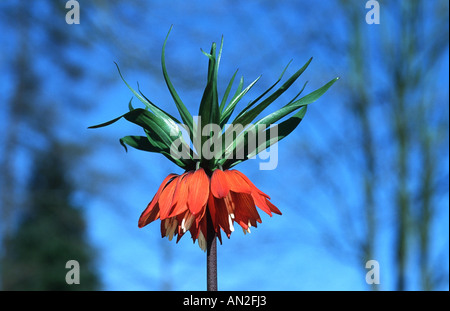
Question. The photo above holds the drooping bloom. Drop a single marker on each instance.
(208, 191)
(183, 203)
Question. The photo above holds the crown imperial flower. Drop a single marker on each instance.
(209, 191)
(182, 200)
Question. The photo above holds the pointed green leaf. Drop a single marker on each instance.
(161, 134)
(264, 93)
(209, 106)
(138, 142)
(165, 132)
(230, 108)
(219, 56)
(144, 144)
(248, 116)
(152, 107)
(292, 106)
(148, 104)
(242, 147)
(104, 124)
(285, 127)
(158, 111)
(184, 113)
(227, 92)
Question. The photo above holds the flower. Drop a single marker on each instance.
(183, 202)
(208, 191)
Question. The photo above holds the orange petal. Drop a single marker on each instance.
(149, 216)
(236, 183)
(222, 216)
(252, 186)
(260, 201)
(258, 196)
(166, 198)
(180, 230)
(214, 216)
(152, 208)
(246, 207)
(219, 184)
(179, 203)
(273, 208)
(198, 191)
(242, 214)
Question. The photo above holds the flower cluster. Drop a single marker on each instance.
(183, 203)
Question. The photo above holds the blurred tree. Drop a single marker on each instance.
(391, 148)
(49, 80)
(32, 65)
(51, 231)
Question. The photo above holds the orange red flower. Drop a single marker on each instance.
(182, 201)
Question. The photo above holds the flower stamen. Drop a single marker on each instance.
(230, 221)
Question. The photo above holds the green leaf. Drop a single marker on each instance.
(209, 106)
(158, 111)
(130, 106)
(238, 89)
(152, 107)
(138, 142)
(184, 113)
(143, 143)
(227, 92)
(265, 92)
(248, 116)
(219, 56)
(147, 103)
(284, 128)
(184, 160)
(160, 134)
(105, 123)
(230, 108)
(209, 112)
(292, 106)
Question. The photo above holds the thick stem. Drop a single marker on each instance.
(211, 255)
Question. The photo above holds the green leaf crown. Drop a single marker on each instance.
(236, 139)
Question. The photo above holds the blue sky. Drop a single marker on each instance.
(260, 37)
